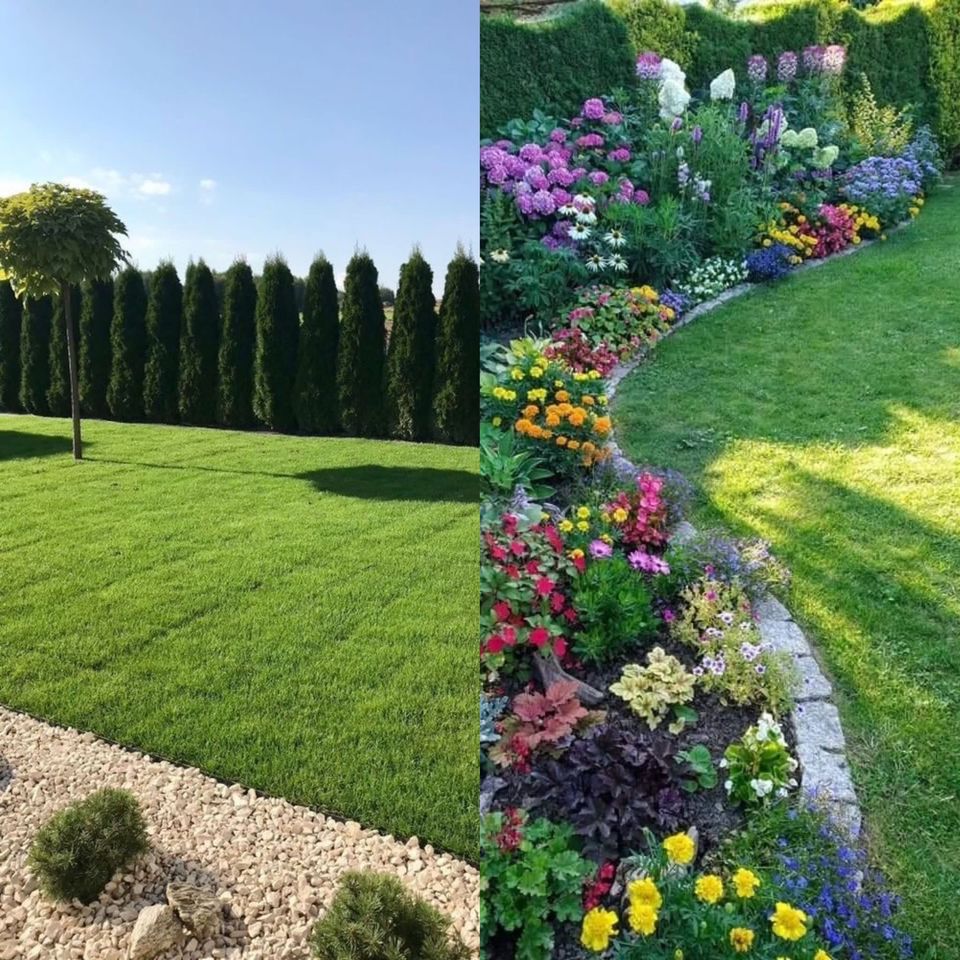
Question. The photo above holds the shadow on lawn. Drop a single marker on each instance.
(371, 481)
(17, 445)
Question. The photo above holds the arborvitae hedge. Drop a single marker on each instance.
(164, 318)
(275, 361)
(96, 315)
(128, 346)
(457, 391)
(237, 338)
(11, 311)
(198, 346)
(35, 354)
(58, 393)
(411, 354)
(910, 51)
(316, 384)
(360, 364)
(551, 65)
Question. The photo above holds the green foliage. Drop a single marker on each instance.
(316, 383)
(374, 917)
(505, 466)
(411, 352)
(457, 382)
(11, 312)
(360, 365)
(58, 393)
(52, 234)
(35, 354)
(77, 852)
(698, 772)
(237, 339)
(164, 316)
(553, 65)
(96, 315)
(652, 691)
(532, 877)
(128, 346)
(759, 768)
(614, 607)
(275, 359)
(658, 26)
(198, 346)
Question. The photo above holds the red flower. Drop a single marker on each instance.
(501, 610)
(498, 553)
(494, 644)
(518, 548)
(533, 566)
(580, 563)
(560, 646)
(557, 602)
(539, 636)
(513, 571)
(544, 587)
(509, 636)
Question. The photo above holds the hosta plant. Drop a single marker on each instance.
(654, 690)
(759, 767)
(542, 723)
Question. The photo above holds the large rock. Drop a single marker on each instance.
(157, 929)
(199, 910)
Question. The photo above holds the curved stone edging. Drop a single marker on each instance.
(821, 747)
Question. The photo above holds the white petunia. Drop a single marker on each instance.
(722, 87)
(761, 787)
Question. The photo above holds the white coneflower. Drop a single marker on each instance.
(595, 262)
(616, 262)
(500, 256)
(614, 238)
(579, 231)
(567, 210)
(583, 201)
(586, 216)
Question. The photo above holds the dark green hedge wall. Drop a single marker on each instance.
(909, 50)
(551, 65)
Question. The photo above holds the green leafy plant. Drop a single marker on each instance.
(504, 466)
(699, 772)
(653, 690)
(531, 877)
(374, 917)
(77, 852)
(614, 608)
(759, 766)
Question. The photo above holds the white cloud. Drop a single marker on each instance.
(12, 185)
(208, 184)
(154, 188)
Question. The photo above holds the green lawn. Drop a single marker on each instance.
(297, 614)
(824, 415)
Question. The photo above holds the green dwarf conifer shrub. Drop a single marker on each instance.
(198, 346)
(128, 346)
(237, 338)
(316, 383)
(96, 315)
(35, 354)
(275, 361)
(164, 317)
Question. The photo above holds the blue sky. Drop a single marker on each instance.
(214, 131)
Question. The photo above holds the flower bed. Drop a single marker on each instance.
(634, 719)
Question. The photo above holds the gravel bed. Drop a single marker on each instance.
(274, 865)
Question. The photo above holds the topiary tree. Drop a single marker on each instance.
(35, 354)
(457, 387)
(11, 312)
(237, 339)
(164, 315)
(198, 346)
(96, 314)
(58, 393)
(275, 362)
(316, 384)
(128, 346)
(410, 355)
(52, 237)
(361, 351)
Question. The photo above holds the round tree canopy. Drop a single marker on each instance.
(53, 234)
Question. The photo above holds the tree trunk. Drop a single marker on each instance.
(65, 292)
(549, 670)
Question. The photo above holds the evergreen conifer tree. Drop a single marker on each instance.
(128, 346)
(238, 335)
(58, 393)
(275, 361)
(198, 346)
(96, 315)
(11, 312)
(35, 354)
(164, 318)
(316, 384)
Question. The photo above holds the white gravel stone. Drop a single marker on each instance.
(786, 636)
(770, 609)
(199, 836)
(812, 684)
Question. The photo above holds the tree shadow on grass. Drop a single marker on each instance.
(371, 481)
(17, 445)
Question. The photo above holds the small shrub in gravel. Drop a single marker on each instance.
(373, 916)
(77, 852)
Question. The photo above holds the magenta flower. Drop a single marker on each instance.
(620, 155)
(599, 549)
(593, 109)
(787, 66)
(832, 60)
(648, 65)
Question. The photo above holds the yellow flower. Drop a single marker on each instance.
(643, 918)
(561, 396)
(620, 515)
(746, 883)
(575, 554)
(516, 373)
(566, 526)
(709, 888)
(680, 848)
(644, 891)
(822, 955)
(605, 517)
(741, 939)
(496, 421)
(587, 400)
(605, 537)
(536, 371)
(583, 513)
(538, 394)
(602, 399)
(582, 526)
(575, 445)
(531, 411)
(788, 922)
(561, 441)
(599, 926)
(602, 424)
(557, 384)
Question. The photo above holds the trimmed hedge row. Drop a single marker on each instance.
(151, 349)
(910, 51)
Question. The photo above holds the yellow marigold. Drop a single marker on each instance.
(561, 396)
(587, 400)
(536, 372)
(566, 526)
(530, 411)
(575, 554)
(537, 394)
(594, 374)
(822, 955)
(741, 939)
(599, 926)
(620, 515)
(801, 219)
(709, 888)
(583, 513)
(552, 420)
(574, 445)
(602, 425)
(561, 441)
(788, 922)
(605, 537)
(602, 399)
(745, 882)
(920, 201)
(579, 377)
(582, 525)
(496, 421)
(643, 918)
(669, 313)
(578, 417)
(645, 891)
(517, 373)
(679, 848)
(588, 447)
(557, 384)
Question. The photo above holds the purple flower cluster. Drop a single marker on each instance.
(787, 66)
(757, 68)
(765, 139)
(677, 302)
(886, 186)
(768, 263)
(827, 60)
(648, 65)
